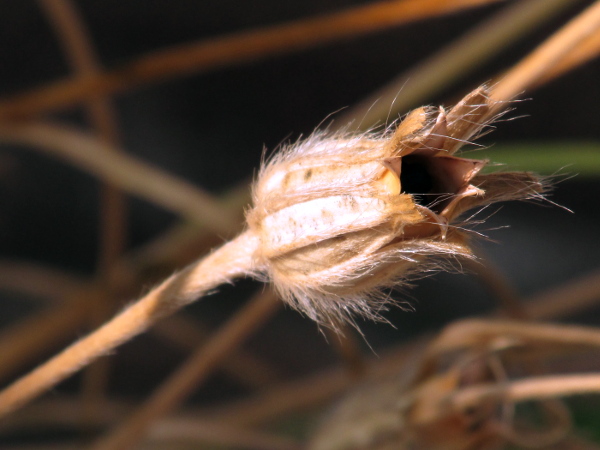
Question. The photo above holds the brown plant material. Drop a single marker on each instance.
(78, 49)
(232, 260)
(24, 341)
(550, 53)
(462, 396)
(246, 368)
(531, 389)
(344, 341)
(224, 51)
(193, 372)
(57, 323)
(421, 148)
(395, 413)
(582, 292)
(587, 50)
(130, 174)
(334, 222)
(406, 221)
(340, 218)
(197, 432)
(39, 282)
(308, 392)
(450, 63)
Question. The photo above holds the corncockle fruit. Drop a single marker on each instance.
(336, 220)
(340, 218)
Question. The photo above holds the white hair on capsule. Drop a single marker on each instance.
(343, 218)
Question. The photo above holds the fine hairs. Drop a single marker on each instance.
(341, 218)
(337, 220)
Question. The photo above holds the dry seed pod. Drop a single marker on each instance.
(341, 217)
(387, 415)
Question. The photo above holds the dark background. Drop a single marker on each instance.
(211, 128)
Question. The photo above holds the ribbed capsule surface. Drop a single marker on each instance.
(339, 218)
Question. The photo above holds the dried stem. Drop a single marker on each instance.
(78, 49)
(582, 293)
(176, 248)
(449, 64)
(244, 367)
(530, 389)
(39, 282)
(217, 433)
(342, 338)
(473, 332)
(510, 302)
(32, 337)
(302, 394)
(124, 171)
(51, 327)
(588, 49)
(232, 260)
(193, 372)
(60, 411)
(240, 47)
(533, 67)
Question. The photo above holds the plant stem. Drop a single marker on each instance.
(530, 389)
(587, 50)
(31, 338)
(582, 292)
(206, 432)
(533, 67)
(472, 332)
(188, 377)
(242, 366)
(41, 332)
(130, 174)
(232, 260)
(43, 283)
(316, 389)
(78, 49)
(232, 49)
(449, 64)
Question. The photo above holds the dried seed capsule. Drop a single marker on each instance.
(339, 218)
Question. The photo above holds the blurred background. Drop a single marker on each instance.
(211, 127)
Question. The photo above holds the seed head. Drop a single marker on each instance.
(341, 218)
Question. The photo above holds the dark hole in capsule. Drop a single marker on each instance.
(416, 179)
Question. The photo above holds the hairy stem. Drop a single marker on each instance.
(196, 369)
(232, 260)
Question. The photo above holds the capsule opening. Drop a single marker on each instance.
(417, 180)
